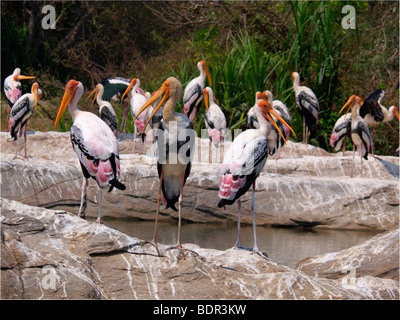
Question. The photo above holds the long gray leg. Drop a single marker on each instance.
(82, 207)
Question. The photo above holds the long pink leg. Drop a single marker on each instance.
(237, 243)
(253, 211)
(82, 207)
(99, 205)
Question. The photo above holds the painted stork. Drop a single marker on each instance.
(214, 119)
(193, 94)
(275, 140)
(372, 112)
(106, 110)
(360, 134)
(13, 89)
(252, 122)
(137, 101)
(20, 114)
(176, 148)
(341, 130)
(307, 104)
(244, 161)
(95, 145)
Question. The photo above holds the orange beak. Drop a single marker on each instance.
(69, 93)
(206, 98)
(396, 112)
(269, 112)
(94, 92)
(131, 84)
(206, 70)
(21, 77)
(163, 90)
(349, 104)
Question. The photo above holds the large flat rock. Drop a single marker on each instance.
(48, 254)
(306, 184)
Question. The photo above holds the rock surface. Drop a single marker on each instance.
(306, 184)
(49, 254)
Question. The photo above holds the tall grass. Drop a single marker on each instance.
(312, 47)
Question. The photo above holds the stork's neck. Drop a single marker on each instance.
(169, 109)
(73, 105)
(265, 126)
(355, 111)
(296, 81)
(174, 96)
(99, 97)
(388, 115)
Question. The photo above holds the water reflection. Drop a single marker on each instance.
(283, 245)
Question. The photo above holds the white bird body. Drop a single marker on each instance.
(193, 94)
(307, 105)
(106, 110)
(360, 134)
(244, 161)
(214, 119)
(20, 114)
(340, 131)
(94, 143)
(175, 149)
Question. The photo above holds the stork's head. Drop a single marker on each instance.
(201, 65)
(133, 82)
(71, 89)
(268, 112)
(354, 101)
(17, 75)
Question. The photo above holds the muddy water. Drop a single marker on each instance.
(283, 245)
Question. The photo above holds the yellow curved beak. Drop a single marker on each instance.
(348, 104)
(131, 84)
(206, 98)
(163, 90)
(269, 111)
(207, 72)
(64, 104)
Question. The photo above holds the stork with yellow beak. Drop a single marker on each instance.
(360, 134)
(176, 148)
(193, 94)
(20, 114)
(244, 161)
(95, 145)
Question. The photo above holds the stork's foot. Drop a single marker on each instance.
(262, 254)
(182, 250)
(153, 243)
(98, 220)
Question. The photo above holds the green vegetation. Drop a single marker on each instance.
(249, 46)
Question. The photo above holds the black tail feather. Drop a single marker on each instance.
(117, 184)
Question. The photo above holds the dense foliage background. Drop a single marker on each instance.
(249, 46)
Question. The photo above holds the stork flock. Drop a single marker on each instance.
(94, 138)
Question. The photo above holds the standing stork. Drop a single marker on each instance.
(95, 145)
(341, 130)
(214, 119)
(114, 88)
(176, 149)
(307, 104)
(137, 101)
(372, 112)
(13, 89)
(20, 114)
(244, 161)
(106, 110)
(359, 130)
(193, 94)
